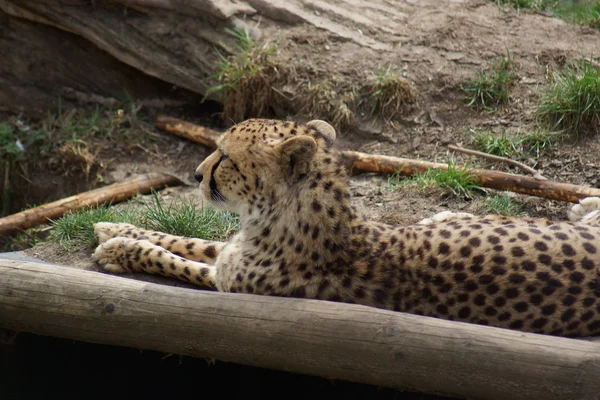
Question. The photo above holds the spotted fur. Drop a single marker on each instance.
(300, 236)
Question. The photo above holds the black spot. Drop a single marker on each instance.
(545, 259)
(512, 293)
(590, 248)
(492, 289)
(577, 277)
(500, 302)
(475, 242)
(518, 324)
(499, 260)
(523, 236)
(493, 239)
(490, 311)
(299, 292)
(465, 251)
(464, 312)
(540, 246)
(521, 306)
(539, 323)
(443, 248)
(568, 250)
(567, 315)
(536, 299)
(589, 301)
(210, 252)
(517, 252)
(501, 231)
(549, 309)
(505, 316)
(316, 206)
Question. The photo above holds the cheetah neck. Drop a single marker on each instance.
(314, 222)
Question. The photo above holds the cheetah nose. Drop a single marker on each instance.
(198, 176)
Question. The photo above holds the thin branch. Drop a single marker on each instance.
(533, 172)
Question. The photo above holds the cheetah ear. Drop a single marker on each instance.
(295, 155)
(324, 130)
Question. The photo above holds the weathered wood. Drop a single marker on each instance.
(361, 162)
(112, 194)
(196, 133)
(357, 162)
(334, 340)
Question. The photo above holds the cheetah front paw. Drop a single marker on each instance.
(111, 255)
(104, 231)
(444, 216)
(587, 209)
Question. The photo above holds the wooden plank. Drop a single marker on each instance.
(333, 340)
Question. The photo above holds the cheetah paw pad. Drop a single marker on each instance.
(587, 208)
(111, 253)
(444, 216)
(104, 231)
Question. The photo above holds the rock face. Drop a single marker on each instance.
(77, 48)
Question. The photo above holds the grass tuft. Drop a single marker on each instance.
(571, 103)
(490, 143)
(245, 79)
(511, 146)
(581, 12)
(180, 217)
(325, 101)
(502, 204)
(491, 87)
(455, 180)
(77, 228)
(389, 94)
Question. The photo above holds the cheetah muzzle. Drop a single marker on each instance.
(300, 236)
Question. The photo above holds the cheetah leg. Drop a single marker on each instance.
(445, 216)
(586, 212)
(120, 255)
(191, 248)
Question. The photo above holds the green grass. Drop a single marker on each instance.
(388, 95)
(244, 80)
(179, 217)
(77, 228)
(571, 103)
(538, 141)
(506, 146)
(491, 86)
(502, 204)
(490, 143)
(455, 180)
(583, 12)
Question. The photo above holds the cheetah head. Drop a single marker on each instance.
(259, 163)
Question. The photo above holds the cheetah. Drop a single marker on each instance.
(301, 237)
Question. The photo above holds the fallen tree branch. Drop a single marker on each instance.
(357, 162)
(536, 174)
(196, 133)
(333, 340)
(114, 193)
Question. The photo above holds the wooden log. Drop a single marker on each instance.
(362, 162)
(333, 340)
(196, 133)
(112, 194)
(357, 162)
